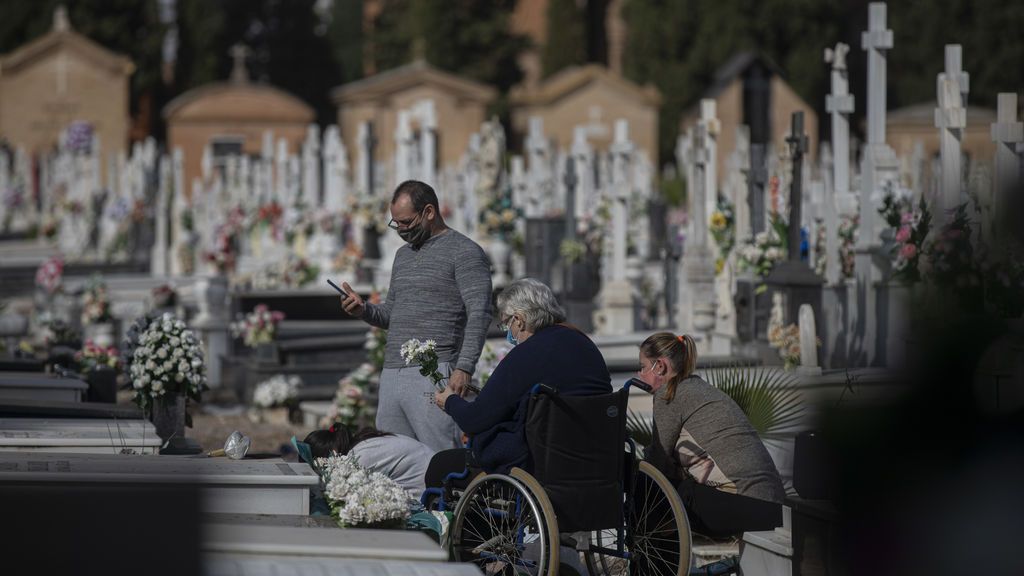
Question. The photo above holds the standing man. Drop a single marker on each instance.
(440, 290)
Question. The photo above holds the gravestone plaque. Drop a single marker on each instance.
(43, 387)
(73, 435)
(269, 486)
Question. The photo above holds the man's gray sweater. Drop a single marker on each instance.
(441, 292)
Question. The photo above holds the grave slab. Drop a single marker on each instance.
(241, 565)
(79, 436)
(269, 486)
(37, 386)
(53, 409)
(263, 540)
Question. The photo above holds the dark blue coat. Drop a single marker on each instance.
(558, 356)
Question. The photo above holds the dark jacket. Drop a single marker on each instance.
(558, 356)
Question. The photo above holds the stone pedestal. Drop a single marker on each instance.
(696, 313)
(616, 311)
(212, 324)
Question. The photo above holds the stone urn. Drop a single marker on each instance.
(499, 251)
(12, 327)
(211, 297)
(168, 417)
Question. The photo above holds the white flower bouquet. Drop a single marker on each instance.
(358, 497)
(278, 390)
(423, 354)
(166, 362)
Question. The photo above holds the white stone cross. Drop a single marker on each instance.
(712, 126)
(952, 87)
(840, 104)
(1008, 134)
(311, 167)
(876, 41)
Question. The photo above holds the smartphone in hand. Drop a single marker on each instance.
(340, 291)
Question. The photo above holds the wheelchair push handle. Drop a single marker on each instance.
(639, 384)
(540, 387)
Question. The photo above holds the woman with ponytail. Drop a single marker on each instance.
(401, 458)
(704, 443)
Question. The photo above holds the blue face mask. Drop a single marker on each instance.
(510, 338)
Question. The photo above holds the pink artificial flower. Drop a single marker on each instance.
(908, 251)
(903, 234)
(907, 218)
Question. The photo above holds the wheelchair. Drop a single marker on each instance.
(587, 490)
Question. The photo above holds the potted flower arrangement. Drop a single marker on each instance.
(911, 233)
(258, 329)
(766, 249)
(50, 276)
(96, 317)
(275, 398)
(353, 405)
(166, 370)
(298, 272)
(361, 498)
(100, 365)
(164, 298)
(723, 231)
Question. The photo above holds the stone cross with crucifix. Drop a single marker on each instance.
(952, 86)
(840, 104)
(1008, 134)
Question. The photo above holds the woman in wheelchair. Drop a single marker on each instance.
(705, 445)
(546, 351)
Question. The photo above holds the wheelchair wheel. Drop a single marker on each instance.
(657, 533)
(505, 525)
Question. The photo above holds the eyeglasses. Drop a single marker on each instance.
(503, 325)
(402, 224)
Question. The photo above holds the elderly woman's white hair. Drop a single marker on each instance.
(534, 301)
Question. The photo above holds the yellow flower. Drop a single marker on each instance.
(718, 220)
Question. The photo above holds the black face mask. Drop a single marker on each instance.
(415, 235)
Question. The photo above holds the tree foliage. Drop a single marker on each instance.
(566, 37)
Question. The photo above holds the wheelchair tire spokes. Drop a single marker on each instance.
(657, 535)
(499, 527)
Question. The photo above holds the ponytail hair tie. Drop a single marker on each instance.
(332, 429)
(681, 339)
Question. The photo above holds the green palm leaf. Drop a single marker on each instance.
(768, 397)
(640, 429)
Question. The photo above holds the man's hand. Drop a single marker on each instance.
(441, 396)
(353, 305)
(457, 382)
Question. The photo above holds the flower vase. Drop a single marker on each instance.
(266, 353)
(499, 258)
(102, 382)
(168, 417)
(102, 334)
